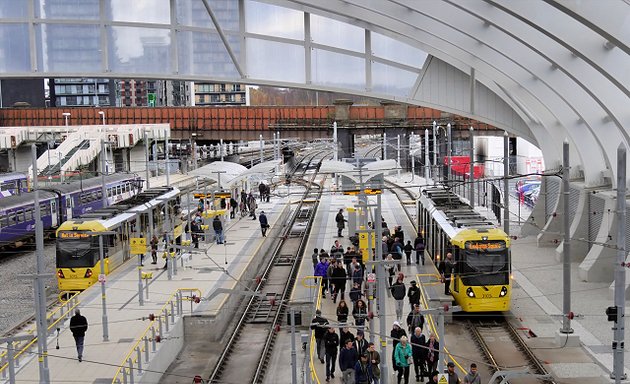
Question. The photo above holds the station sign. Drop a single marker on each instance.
(222, 195)
(138, 245)
(73, 235)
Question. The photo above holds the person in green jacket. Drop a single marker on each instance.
(403, 355)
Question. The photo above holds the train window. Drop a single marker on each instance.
(99, 195)
(12, 218)
(28, 214)
(19, 216)
(4, 220)
(7, 186)
(119, 190)
(94, 196)
(109, 192)
(43, 209)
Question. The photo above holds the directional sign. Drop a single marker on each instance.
(138, 245)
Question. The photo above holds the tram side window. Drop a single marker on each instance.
(109, 192)
(118, 190)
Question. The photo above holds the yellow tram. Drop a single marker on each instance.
(481, 279)
(78, 249)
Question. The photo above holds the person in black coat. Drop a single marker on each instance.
(413, 293)
(344, 336)
(78, 326)
(446, 268)
(341, 222)
(331, 341)
(419, 353)
(348, 358)
(319, 324)
(264, 224)
(408, 248)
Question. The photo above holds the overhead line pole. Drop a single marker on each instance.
(40, 290)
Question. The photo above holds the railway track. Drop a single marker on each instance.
(505, 350)
(246, 355)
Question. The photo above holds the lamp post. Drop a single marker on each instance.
(66, 115)
(102, 113)
(193, 149)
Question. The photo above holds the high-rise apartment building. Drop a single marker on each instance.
(220, 94)
(81, 92)
(151, 93)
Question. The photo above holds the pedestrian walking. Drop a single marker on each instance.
(446, 268)
(389, 267)
(154, 248)
(397, 251)
(360, 344)
(233, 207)
(319, 324)
(264, 224)
(321, 270)
(355, 293)
(396, 334)
(336, 251)
(78, 327)
(363, 370)
(359, 313)
(433, 353)
(332, 345)
(415, 319)
(404, 357)
(347, 360)
(472, 377)
(315, 257)
(451, 374)
(413, 293)
(408, 248)
(339, 281)
(418, 245)
(419, 351)
(218, 229)
(342, 312)
(398, 293)
(251, 204)
(341, 222)
(375, 359)
(344, 335)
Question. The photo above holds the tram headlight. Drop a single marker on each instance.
(60, 274)
(470, 292)
(88, 273)
(503, 292)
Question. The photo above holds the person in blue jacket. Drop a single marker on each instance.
(348, 358)
(264, 224)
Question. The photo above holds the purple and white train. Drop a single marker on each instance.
(58, 204)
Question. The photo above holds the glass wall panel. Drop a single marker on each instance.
(337, 34)
(67, 9)
(194, 13)
(338, 70)
(69, 48)
(270, 60)
(394, 50)
(154, 11)
(203, 53)
(143, 50)
(392, 80)
(11, 9)
(267, 19)
(14, 48)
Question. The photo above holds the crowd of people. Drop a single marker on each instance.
(358, 360)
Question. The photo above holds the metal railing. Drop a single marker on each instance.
(159, 324)
(60, 314)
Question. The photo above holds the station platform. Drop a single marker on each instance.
(214, 266)
(178, 180)
(536, 305)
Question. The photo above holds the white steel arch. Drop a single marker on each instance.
(545, 70)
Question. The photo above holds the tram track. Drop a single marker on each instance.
(505, 350)
(502, 348)
(246, 359)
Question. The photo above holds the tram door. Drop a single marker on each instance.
(53, 212)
